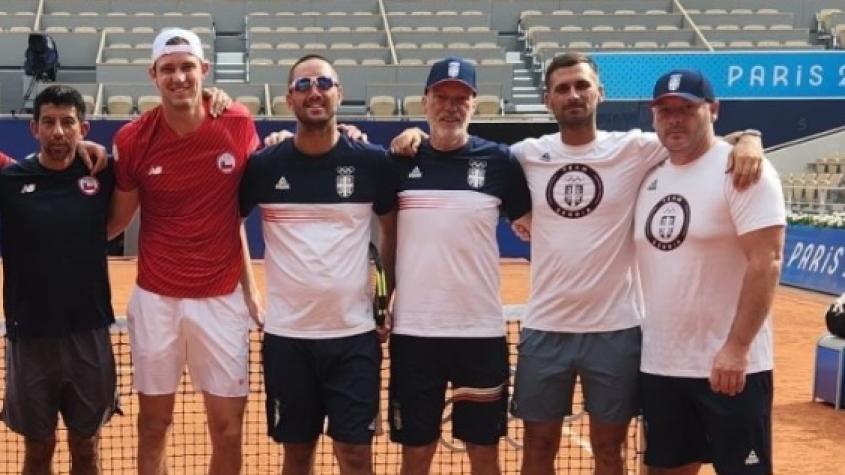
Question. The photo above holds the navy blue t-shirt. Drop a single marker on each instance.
(53, 232)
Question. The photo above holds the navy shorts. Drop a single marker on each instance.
(687, 422)
(307, 380)
(420, 369)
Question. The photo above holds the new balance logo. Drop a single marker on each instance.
(28, 188)
(652, 186)
(546, 157)
(752, 458)
(282, 184)
(156, 170)
(415, 173)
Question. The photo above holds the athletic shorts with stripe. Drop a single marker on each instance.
(308, 380)
(607, 364)
(210, 335)
(421, 368)
(72, 375)
(687, 422)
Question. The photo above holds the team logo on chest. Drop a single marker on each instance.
(476, 173)
(88, 185)
(345, 181)
(226, 162)
(574, 191)
(668, 222)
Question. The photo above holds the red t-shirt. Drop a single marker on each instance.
(189, 242)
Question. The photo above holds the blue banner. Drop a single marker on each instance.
(814, 258)
(735, 75)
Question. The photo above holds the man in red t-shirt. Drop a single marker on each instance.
(183, 169)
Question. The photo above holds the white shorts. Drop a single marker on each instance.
(210, 334)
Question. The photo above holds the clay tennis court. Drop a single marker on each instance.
(809, 437)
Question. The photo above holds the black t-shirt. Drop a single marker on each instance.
(53, 231)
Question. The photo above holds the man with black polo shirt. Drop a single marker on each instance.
(448, 325)
(321, 354)
(57, 301)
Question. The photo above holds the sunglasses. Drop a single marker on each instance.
(324, 83)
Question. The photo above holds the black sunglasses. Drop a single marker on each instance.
(324, 83)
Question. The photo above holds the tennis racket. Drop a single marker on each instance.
(378, 286)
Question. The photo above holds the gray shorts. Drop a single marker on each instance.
(607, 364)
(72, 374)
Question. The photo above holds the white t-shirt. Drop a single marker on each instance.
(687, 224)
(582, 252)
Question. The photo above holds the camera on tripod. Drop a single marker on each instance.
(42, 57)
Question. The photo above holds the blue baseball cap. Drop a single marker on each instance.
(452, 69)
(685, 83)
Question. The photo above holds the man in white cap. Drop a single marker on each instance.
(709, 258)
(183, 169)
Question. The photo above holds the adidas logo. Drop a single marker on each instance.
(652, 186)
(282, 184)
(415, 173)
(28, 188)
(156, 170)
(752, 458)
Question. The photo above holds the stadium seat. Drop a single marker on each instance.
(146, 103)
(280, 107)
(645, 45)
(411, 62)
(252, 103)
(142, 61)
(769, 44)
(612, 45)
(567, 28)
(563, 12)
(313, 46)
(89, 104)
(477, 28)
(753, 27)
(678, 45)
(119, 105)
(412, 106)
(261, 46)
(372, 61)
(634, 28)
(432, 45)
(342, 46)
(493, 61)
(284, 45)
(382, 106)
(339, 29)
(117, 61)
(666, 28)
(488, 105)
(369, 45)
(780, 27)
(261, 62)
(345, 62)
(459, 45)
(453, 29)
(84, 29)
(741, 44)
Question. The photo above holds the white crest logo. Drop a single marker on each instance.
(345, 181)
(674, 82)
(226, 163)
(454, 69)
(475, 174)
(89, 185)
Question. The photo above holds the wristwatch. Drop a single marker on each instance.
(751, 132)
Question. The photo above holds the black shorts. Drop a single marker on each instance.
(687, 422)
(72, 374)
(421, 367)
(307, 380)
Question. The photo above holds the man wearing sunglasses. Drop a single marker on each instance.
(194, 292)
(321, 352)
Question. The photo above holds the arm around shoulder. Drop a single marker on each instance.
(122, 209)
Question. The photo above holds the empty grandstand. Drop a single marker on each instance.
(381, 47)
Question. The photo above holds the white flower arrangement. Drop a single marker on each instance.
(833, 221)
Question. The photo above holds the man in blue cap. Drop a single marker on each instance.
(450, 330)
(709, 258)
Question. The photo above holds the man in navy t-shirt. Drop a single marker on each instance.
(448, 326)
(57, 302)
(321, 352)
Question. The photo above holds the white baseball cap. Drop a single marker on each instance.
(161, 48)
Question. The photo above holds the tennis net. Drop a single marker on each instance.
(189, 447)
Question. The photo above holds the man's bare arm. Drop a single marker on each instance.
(746, 159)
(123, 207)
(387, 251)
(252, 295)
(764, 250)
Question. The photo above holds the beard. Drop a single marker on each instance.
(566, 120)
